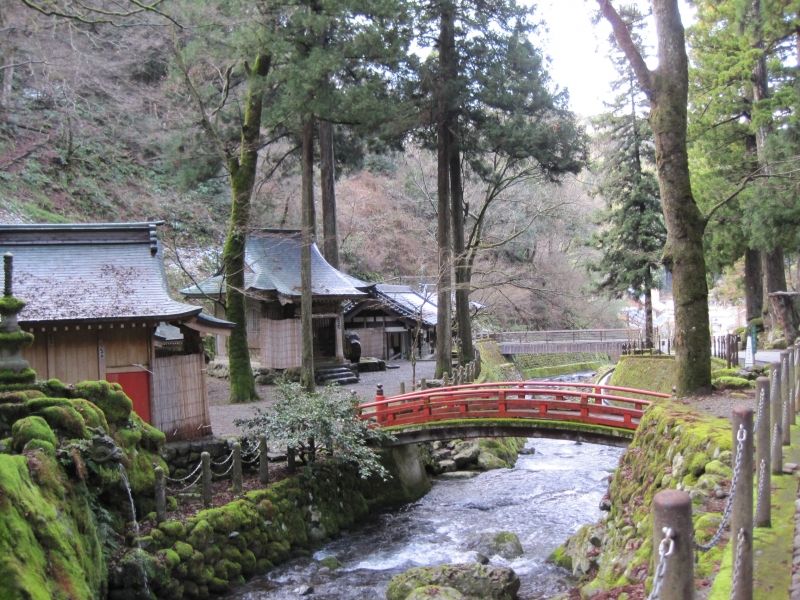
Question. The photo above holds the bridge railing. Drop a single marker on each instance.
(568, 335)
(537, 400)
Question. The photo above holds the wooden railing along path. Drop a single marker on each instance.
(594, 404)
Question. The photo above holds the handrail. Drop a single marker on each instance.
(555, 401)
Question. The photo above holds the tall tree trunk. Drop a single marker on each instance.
(243, 174)
(330, 241)
(667, 89)
(444, 117)
(753, 284)
(306, 301)
(772, 260)
(648, 310)
(463, 320)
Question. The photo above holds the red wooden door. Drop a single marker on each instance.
(136, 384)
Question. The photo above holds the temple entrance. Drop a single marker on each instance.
(324, 338)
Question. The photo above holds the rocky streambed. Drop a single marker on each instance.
(544, 498)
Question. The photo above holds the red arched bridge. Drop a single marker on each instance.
(578, 411)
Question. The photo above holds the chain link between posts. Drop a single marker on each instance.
(189, 476)
(761, 402)
(741, 436)
(665, 549)
(762, 473)
(737, 566)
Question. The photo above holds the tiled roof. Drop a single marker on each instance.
(272, 259)
(90, 272)
(408, 302)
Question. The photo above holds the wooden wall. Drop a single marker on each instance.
(180, 402)
(73, 354)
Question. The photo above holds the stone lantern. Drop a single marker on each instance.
(13, 368)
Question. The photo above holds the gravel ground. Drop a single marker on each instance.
(223, 414)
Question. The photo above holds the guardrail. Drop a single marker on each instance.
(532, 400)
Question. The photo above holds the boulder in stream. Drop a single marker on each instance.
(472, 581)
(501, 543)
(440, 592)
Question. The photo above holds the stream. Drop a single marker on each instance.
(546, 497)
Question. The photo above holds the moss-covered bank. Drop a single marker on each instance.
(674, 447)
(220, 548)
(63, 506)
(533, 366)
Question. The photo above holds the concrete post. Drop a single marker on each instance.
(763, 454)
(672, 510)
(161, 495)
(787, 413)
(797, 376)
(790, 383)
(742, 513)
(423, 384)
(776, 417)
(263, 460)
(402, 387)
(236, 474)
(205, 459)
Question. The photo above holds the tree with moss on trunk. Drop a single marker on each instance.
(631, 236)
(666, 88)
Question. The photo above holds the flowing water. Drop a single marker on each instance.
(126, 484)
(543, 499)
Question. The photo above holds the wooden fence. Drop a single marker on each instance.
(180, 405)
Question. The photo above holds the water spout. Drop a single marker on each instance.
(126, 484)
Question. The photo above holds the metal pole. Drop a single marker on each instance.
(674, 568)
(205, 459)
(763, 455)
(742, 513)
(236, 475)
(263, 460)
(776, 418)
(161, 495)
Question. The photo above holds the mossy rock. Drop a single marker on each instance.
(66, 420)
(474, 581)
(19, 396)
(31, 428)
(108, 397)
(42, 445)
(91, 413)
(49, 539)
(439, 592)
(505, 544)
(731, 383)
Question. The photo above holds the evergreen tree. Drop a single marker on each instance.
(632, 232)
(666, 88)
(496, 118)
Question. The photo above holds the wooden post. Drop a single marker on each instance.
(290, 466)
(672, 511)
(161, 495)
(742, 513)
(236, 475)
(263, 460)
(205, 459)
(763, 455)
(776, 418)
(788, 416)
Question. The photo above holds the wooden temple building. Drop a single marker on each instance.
(393, 321)
(97, 304)
(273, 292)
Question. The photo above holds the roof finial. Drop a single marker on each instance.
(8, 260)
